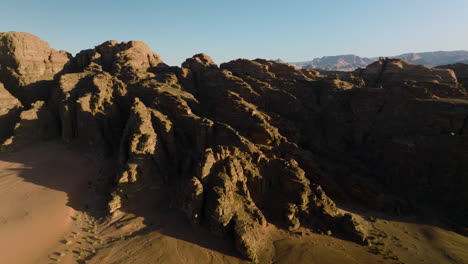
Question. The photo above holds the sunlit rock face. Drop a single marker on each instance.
(28, 65)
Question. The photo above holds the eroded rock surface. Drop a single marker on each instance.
(10, 108)
(461, 71)
(34, 125)
(418, 80)
(28, 65)
(128, 60)
(247, 144)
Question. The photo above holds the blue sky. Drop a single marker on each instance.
(292, 30)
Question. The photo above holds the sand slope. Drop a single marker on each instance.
(39, 187)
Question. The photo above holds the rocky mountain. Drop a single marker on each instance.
(336, 63)
(352, 62)
(435, 58)
(244, 145)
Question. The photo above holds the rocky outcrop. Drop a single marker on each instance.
(142, 158)
(24, 125)
(248, 144)
(34, 125)
(199, 62)
(127, 60)
(28, 65)
(418, 80)
(220, 152)
(461, 71)
(87, 105)
(229, 207)
(10, 109)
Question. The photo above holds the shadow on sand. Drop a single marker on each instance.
(86, 181)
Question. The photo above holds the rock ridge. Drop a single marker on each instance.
(249, 143)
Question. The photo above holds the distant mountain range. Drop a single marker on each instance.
(352, 62)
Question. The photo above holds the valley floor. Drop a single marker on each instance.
(45, 218)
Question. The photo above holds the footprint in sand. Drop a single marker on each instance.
(80, 244)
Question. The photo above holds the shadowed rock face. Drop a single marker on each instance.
(421, 81)
(35, 124)
(252, 143)
(461, 71)
(10, 108)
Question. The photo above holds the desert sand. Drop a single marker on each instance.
(39, 188)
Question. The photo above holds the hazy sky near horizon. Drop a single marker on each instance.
(294, 30)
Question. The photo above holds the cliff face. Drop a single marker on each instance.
(250, 143)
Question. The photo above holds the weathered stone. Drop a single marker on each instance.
(249, 143)
(461, 71)
(10, 109)
(88, 105)
(35, 124)
(28, 65)
(127, 60)
(191, 200)
(199, 62)
(417, 80)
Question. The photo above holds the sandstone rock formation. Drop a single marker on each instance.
(28, 65)
(35, 124)
(461, 71)
(127, 60)
(421, 81)
(10, 108)
(85, 104)
(247, 144)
